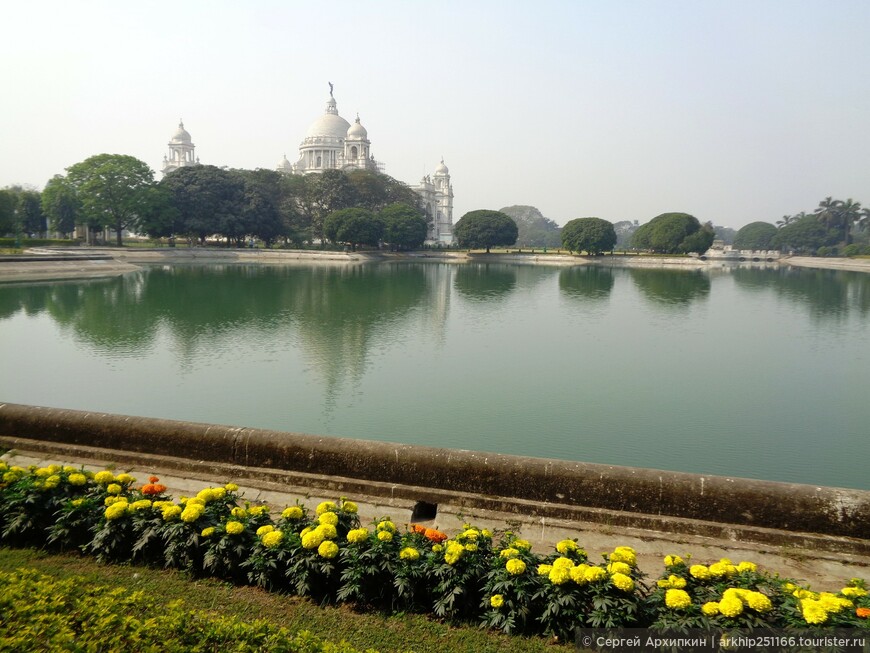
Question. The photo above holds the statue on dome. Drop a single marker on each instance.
(330, 89)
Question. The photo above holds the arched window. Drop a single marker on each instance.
(319, 161)
(353, 154)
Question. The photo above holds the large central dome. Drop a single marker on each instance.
(329, 125)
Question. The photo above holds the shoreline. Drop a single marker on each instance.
(72, 263)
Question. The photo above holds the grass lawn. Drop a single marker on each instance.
(405, 632)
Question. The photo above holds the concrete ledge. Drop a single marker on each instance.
(555, 487)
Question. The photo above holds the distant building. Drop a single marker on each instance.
(181, 151)
(331, 142)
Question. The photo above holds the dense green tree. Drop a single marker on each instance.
(837, 214)
(60, 205)
(485, 228)
(159, 216)
(327, 192)
(533, 229)
(805, 235)
(209, 200)
(8, 212)
(264, 192)
(404, 226)
(699, 241)
(32, 218)
(590, 235)
(112, 189)
(755, 235)
(666, 233)
(353, 226)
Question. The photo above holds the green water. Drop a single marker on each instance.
(760, 373)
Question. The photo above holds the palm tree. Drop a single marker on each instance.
(828, 213)
(850, 213)
(786, 220)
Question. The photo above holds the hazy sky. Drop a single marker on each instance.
(733, 111)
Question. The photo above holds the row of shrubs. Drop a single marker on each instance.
(491, 579)
(42, 614)
(36, 242)
(854, 249)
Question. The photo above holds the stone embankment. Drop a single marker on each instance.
(817, 534)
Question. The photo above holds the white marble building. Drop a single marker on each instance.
(181, 151)
(331, 142)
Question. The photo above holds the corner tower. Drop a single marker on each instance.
(181, 151)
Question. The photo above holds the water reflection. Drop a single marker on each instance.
(676, 288)
(590, 282)
(483, 282)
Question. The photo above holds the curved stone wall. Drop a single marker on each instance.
(743, 502)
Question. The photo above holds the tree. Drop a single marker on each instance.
(112, 190)
(354, 227)
(404, 226)
(209, 200)
(8, 213)
(785, 221)
(624, 231)
(60, 205)
(699, 241)
(485, 228)
(326, 193)
(805, 235)
(755, 235)
(590, 235)
(665, 234)
(533, 229)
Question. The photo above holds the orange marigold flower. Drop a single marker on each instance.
(153, 488)
(153, 479)
(418, 528)
(864, 613)
(435, 536)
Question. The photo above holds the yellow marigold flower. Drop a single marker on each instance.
(207, 532)
(52, 482)
(328, 550)
(520, 544)
(509, 553)
(325, 506)
(142, 504)
(544, 570)
(54, 469)
(195, 501)
(385, 536)
(719, 569)
(758, 602)
(77, 479)
(832, 603)
(77, 502)
(358, 535)
(730, 606)
(231, 487)
(560, 575)
(801, 593)
(677, 582)
(409, 553)
(622, 568)
(471, 546)
(622, 582)
(747, 566)
(578, 574)
(170, 512)
(673, 561)
(191, 513)
(239, 513)
(124, 479)
(273, 539)
(515, 566)
(853, 592)
(254, 511)
(470, 534)
(292, 512)
(437, 548)
(594, 574)
(679, 599)
(328, 518)
(268, 528)
(328, 531)
(386, 525)
(235, 527)
(42, 472)
(486, 533)
(813, 612)
(69, 469)
(116, 510)
(114, 488)
(563, 563)
(108, 501)
(452, 553)
(312, 539)
(159, 504)
(710, 608)
(205, 495)
(349, 507)
(624, 554)
(496, 601)
(564, 546)
(700, 572)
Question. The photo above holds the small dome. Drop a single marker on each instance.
(357, 131)
(330, 124)
(181, 135)
(441, 169)
(284, 164)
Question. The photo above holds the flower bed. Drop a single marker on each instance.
(494, 580)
